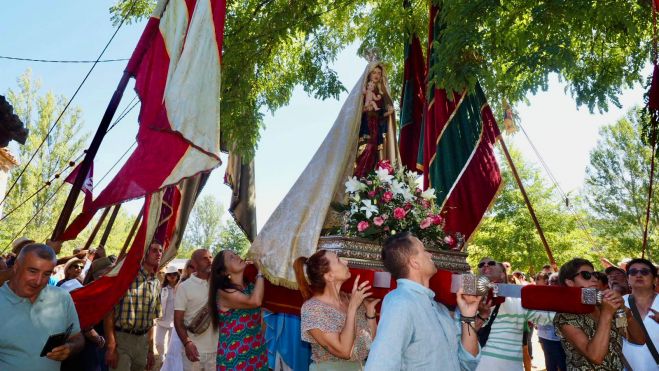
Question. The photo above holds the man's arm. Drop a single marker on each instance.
(150, 359)
(394, 335)
(111, 356)
(190, 348)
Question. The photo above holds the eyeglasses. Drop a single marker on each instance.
(491, 263)
(585, 275)
(634, 272)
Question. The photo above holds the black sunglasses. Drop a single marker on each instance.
(634, 272)
(491, 263)
(585, 275)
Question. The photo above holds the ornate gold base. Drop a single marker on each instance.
(362, 253)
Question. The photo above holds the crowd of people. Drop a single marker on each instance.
(208, 316)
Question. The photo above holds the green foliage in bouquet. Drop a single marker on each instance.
(388, 201)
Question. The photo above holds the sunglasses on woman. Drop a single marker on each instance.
(634, 272)
(585, 275)
(491, 263)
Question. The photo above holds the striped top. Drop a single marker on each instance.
(503, 350)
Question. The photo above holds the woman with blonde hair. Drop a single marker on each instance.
(339, 326)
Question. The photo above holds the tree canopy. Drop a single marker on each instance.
(510, 46)
(616, 188)
(507, 232)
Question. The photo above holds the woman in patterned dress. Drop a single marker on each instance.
(340, 327)
(241, 345)
(592, 341)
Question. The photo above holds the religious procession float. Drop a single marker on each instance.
(432, 172)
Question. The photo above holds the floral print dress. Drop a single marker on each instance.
(574, 359)
(241, 345)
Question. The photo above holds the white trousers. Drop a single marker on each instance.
(163, 334)
(206, 362)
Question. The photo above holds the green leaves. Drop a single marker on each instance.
(510, 46)
(616, 188)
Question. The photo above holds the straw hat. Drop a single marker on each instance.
(71, 262)
(19, 243)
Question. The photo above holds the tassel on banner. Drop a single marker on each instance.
(509, 119)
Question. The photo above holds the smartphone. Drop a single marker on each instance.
(56, 340)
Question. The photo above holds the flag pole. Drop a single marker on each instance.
(96, 228)
(129, 238)
(90, 153)
(528, 203)
(108, 227)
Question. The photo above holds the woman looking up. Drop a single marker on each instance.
(238, 307)
(339, 326)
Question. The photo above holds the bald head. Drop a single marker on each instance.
(202, 260)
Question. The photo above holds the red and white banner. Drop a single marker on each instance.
(177, 69)
(87, 186)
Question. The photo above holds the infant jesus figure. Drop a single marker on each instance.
(370, 97)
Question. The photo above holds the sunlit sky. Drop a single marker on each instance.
(78, 30)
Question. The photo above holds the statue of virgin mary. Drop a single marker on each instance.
(358, 139)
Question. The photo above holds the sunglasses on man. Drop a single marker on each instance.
(490, 263)
(634, 272)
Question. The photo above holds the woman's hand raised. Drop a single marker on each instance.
(359, 293)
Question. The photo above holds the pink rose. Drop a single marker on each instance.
(372, 194)
(378, 220)
(386, 165)
(425, 223)
(407, 206)
(399, 213)
(385, 216)
(437, 219)
(362, 226)
(387, 196)
(425, 204)
(449, 240)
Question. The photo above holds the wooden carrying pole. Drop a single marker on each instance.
(131, 234)
(90, 153)
(528, 203)
(96, 228)
(108, 227)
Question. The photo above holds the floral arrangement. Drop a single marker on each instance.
(388, 201)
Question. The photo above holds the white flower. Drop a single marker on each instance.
(369, 209)
(354, 209)
(398, 188)
(383, 175)
(353, 185)
(428, 194)
(407, 195)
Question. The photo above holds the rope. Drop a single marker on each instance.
(46, 184)
(583, 225)
(67, 105)
(71, 163)
(33, 217)
(62, 61)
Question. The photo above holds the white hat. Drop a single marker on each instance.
(171, 269)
